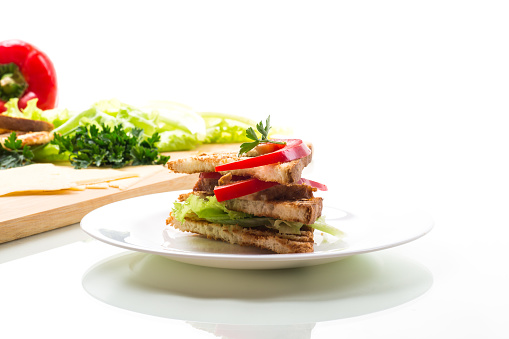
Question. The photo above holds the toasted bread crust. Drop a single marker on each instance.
(261, 237)
(25, 125)
(203, 162)
(284, 173)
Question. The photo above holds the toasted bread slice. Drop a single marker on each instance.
(30, 138)
(260, 237)
(25, 125)
(305, 211)
(284, 173)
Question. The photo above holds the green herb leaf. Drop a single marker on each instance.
(102, 145)
(247, 146)
(13, 154)
(251, 134)
(264, 131)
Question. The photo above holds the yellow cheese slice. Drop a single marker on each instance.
(37, 177)
(143, 173)
(50, 177)
(102, 185)
(78, 188)
(89, 176)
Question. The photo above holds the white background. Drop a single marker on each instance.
(405, 101)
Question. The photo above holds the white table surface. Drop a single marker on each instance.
(406, 105)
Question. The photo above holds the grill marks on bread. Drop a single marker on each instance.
(260, 237)
(305, 211)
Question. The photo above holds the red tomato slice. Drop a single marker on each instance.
(293, 150)
(241, 188)
(312, 183)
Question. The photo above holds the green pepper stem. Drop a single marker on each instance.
(12, 82)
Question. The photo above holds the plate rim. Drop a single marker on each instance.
(229, 257)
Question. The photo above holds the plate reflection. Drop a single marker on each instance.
(232, 301)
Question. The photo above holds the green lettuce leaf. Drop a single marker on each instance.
(111, 113)
(322, 226)
(176, 141)
(175, 116)
(178, 125)
(209, 209)
(227, 128)
(49, 153)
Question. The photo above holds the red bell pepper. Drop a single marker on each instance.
(26, 73)
(294, 149)
(248, 186)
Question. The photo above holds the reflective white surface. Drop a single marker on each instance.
(139, 224)
(352, 287)
(406, 105)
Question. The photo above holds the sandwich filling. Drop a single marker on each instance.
(196, 207)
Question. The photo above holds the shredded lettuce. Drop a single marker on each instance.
(213, 211)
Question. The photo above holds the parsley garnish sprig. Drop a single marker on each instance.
(251, 134)
(109, 146)
(13, 154)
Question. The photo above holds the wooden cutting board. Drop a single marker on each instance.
(22, 215)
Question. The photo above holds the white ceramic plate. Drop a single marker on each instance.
(139, 224)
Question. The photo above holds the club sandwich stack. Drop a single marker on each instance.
(288, 200)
